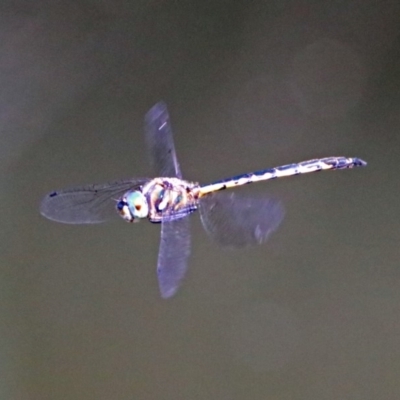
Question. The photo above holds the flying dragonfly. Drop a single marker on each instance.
(168, 199)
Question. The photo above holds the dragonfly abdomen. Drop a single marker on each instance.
(284, 170)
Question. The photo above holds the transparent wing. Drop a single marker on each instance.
(173, 255)
(174, 248)
(89, 204)
(237, 221)
(160, 142)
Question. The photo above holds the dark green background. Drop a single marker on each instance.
(312, 314)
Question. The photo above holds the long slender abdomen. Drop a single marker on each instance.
(285, 170)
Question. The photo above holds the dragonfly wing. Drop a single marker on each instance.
(237, 221)
(175, 234)
(160, 142)
(173, 255)
(89, 204)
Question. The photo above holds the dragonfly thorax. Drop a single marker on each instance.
(170, 198)
(133, 206)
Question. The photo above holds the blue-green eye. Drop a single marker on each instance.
(137, 204)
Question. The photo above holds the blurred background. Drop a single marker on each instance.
(313, 313)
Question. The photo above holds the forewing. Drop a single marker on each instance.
(160, 142)
(173, 255)
(89, 204)
(239, 221)
(175, 234)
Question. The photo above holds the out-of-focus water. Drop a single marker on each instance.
(313, 314)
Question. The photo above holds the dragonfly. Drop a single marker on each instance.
(229, 218)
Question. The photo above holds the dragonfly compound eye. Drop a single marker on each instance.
(137, 204)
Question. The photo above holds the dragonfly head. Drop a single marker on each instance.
(133, 206)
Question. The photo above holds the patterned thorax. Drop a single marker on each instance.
(170, 198)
